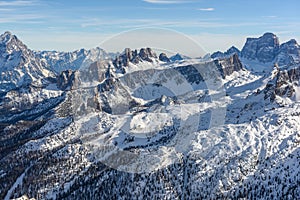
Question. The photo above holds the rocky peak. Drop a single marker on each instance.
(292, 42)
(135, 57)
(289, 53)
(291, 46)
(283, 83)
(217, 54)
(6, 36)
(18, 65)
(232, 50)
(9, 43)
(163, 57)
(147, 54)
(263, 49)
(176, 57)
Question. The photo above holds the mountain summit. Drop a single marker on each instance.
(264, 48)
(18, 64)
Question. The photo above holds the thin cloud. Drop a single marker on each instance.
(206, 9)
(17, 3)
(270, 16)
(140, 23)
(6, 10)
(21, 18)
(166, 1)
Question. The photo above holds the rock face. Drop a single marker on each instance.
(283, 84)
(229, 65)
(133, 56)
(18, 65)
(68, 80)
(289, 53)
(264, 48)
(164, 58)
(176, 57)
(147, 54)
(127, 57)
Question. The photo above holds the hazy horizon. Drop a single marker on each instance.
(214, 25)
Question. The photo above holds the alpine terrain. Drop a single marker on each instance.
(142, 124)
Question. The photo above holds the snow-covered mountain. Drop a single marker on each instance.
(289, 53)
(61, 61)
(18, 64)
(142, 126)
(21, 66)
(266, 50)
(263, 49)
(178, 57)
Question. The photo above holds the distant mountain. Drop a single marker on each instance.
(263, 49)
(134, 57)
(164, 58)
(266, 50)
(61, 61)
(21, 66)
(178, 57)
(232, 50)
(289, 53)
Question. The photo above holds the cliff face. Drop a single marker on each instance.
(229, 65)
(284, 83)
(289, 53)
(264, 48)
(68, 80)
(135, 57)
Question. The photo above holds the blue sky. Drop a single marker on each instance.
(214, 24)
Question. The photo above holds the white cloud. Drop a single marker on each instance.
(206, 9)
(6, 10)
(141, 23)
(20, 18)
(17, 3)
(166, 1)
(270, 16)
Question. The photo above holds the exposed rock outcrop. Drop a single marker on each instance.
(164, 58)
(68, 80)
(283, 83)
(229, 65)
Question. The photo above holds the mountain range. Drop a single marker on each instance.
(90, 124)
